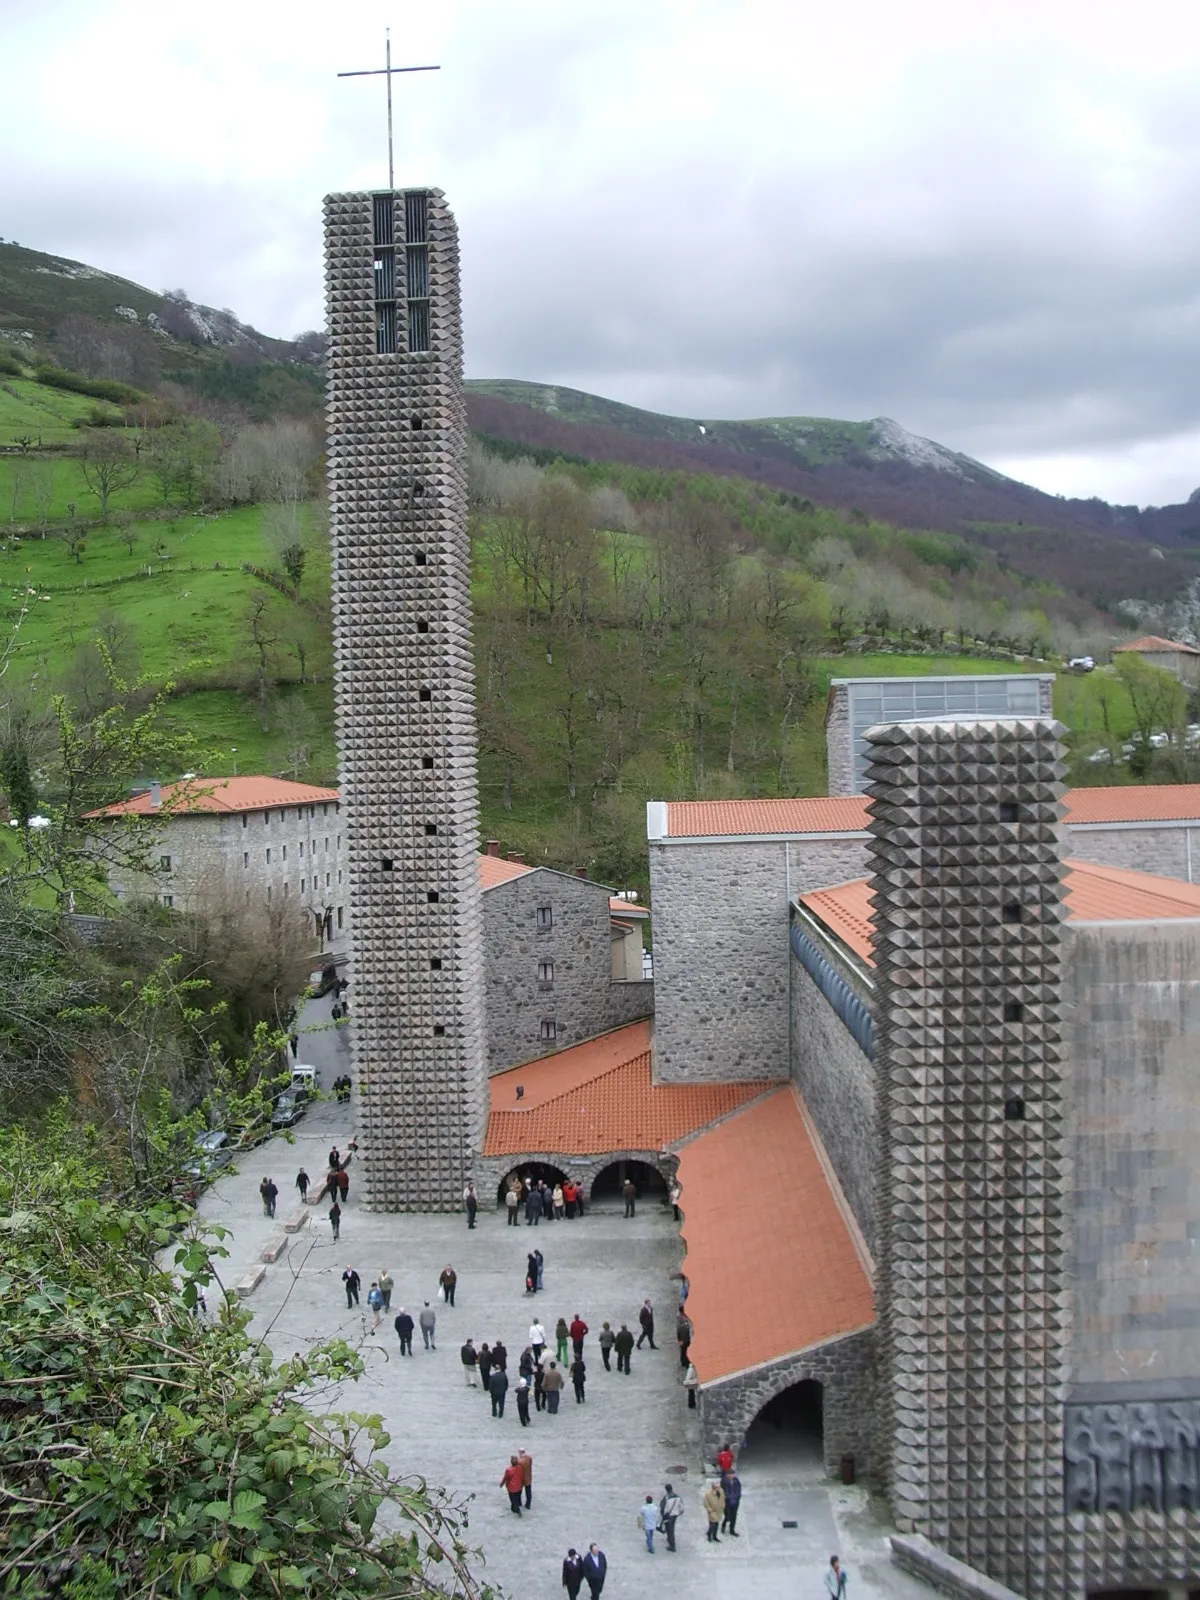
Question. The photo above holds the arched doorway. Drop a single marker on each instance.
(649, 1182)
(788, 1433)
(549, 1175)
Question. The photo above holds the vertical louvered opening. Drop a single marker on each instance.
(418, 325)
(418, 271)
(416, 218)
(384, 219)
(385, 274)
(385, 328)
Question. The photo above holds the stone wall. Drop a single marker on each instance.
(490, 1171)
(582, 999)
(839, 747)
(844, 1367)
(721, 953)
(837, 1084)
(1161, 847)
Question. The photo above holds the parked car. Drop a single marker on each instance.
(289, 1108)
(323, 979)
(213, 1151)
(1081, 664)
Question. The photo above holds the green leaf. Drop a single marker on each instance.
(292, 1577)
(248, 1500)
(238, 1574)
(201, 1565)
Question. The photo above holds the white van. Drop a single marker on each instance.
(306, 1078)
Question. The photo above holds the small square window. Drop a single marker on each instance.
(425, 694)
(422, 625)
(1011, 911)
(1013, 1011)
(549, 1028)
(545, 918)
(432, 896)
(438, 1030)
(435, 963)
(1014, 1109)
(427, 763)
(420, 558)
(545, 972)
(387, 864)
(1008, 811)
(165, 863)
(430, 830)
(168, 900)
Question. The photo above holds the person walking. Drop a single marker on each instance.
(335, 1158)
(386, 1284)
(526, 1363)
(537, 1339)
(691, 1382)
(648, 1522)
(510, 1200)
(471, 1201)
(343, 1183)
(595, 1570)
(539, 1390)
(547, 1199)
(302, 1181)
(335, 1220)
(552, 1383)
(676, 1196)
(353, 1284)
(531, 1273)
(670, 1509)
(578, 1199)
(498, 1388)
(569, 1199)
(404, 1327)
(835, 1579)
(579, 1329)
(607, 1339)
(375, 1301)
(500, 1356)
(526, 1461)
(714, 1510)
(447, 1282)
(623, 1345)
(557, 1197)
(572, 1573)
(264, 1189)
(541, 1267)
(470, 1361)
(578, 1378)
(511, 1480)
(428, 1321)
(533, 1207)
(646, 1318)
(732, 1486)
(629, 1194)
(562, 1337)
(522, 1392)
(725, 1458)
(683, 1337)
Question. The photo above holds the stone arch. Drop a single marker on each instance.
(548, 1171)
(652, 1177)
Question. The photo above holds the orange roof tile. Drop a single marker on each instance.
(1149, 802)
(758, 1291)
(495, 869)
(547, 1077)
(1153, 643)
(824, 814)
(193, 795)
(1093, 894)
(627, 908)
(601, 1108)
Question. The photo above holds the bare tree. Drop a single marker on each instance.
(262, 636)
(108, 466)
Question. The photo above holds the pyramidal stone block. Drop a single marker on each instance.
(404, 676)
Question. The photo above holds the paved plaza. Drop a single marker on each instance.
(593, 1463)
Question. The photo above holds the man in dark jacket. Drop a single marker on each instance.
(470, 1360)
(623, 1345)
(578, 1378)
(498, 1388)
(353, 1284)
(404, 1327)
(302, 1183)
(595, 1570)
(630, 1196)
(683, 1337)
(572, 1577)
(646, 1318)
(732, 1486)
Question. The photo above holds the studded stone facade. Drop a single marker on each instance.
(405, 691)
(971, 1284)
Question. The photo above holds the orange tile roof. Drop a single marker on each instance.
(824, 814)
(759, 1290)
(193, 795)
(1149, 802)
(495, 869)
(627, 908)
(1093, 894)
(1153, 643)
(601, 1106)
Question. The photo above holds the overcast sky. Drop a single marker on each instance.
(981, 219)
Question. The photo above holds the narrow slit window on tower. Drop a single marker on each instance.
(422, 625)
(417, 271)
(416, 423)
(425, 694)
(383, 216)
(418, 326)
(431, 896)
(545, 972)
(383, 219)
(420, 557)
(385, 328)
(1013, 1011)
(545, 918)
(1011, 911)
(416, 217)
(430, 830)
(1008, 811)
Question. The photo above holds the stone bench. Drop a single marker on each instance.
(274, 1247)
(250, 1282)
(296, 1221)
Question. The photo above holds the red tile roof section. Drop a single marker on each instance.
(1094, 894)
(1153, 644)
(194, 795)
(1163, 802)
(824, 814)
(602, 1106)
(764, 1283)
(627, 908)
(495, 869)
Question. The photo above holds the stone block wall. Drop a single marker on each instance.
(490, 1171)
(839, 746)
(582, 1000)
(1164, 848)
(837, 1084)
(721, 953)
(845, 1368)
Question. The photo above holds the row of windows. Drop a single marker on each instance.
(312, 811)
(283, 852)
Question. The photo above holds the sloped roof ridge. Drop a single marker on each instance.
(577, 1088)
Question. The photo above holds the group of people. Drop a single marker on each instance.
(269, 1192)
(341, 1088)
(723, 1497)
(538, 1200)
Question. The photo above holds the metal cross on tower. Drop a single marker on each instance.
(381, 72)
